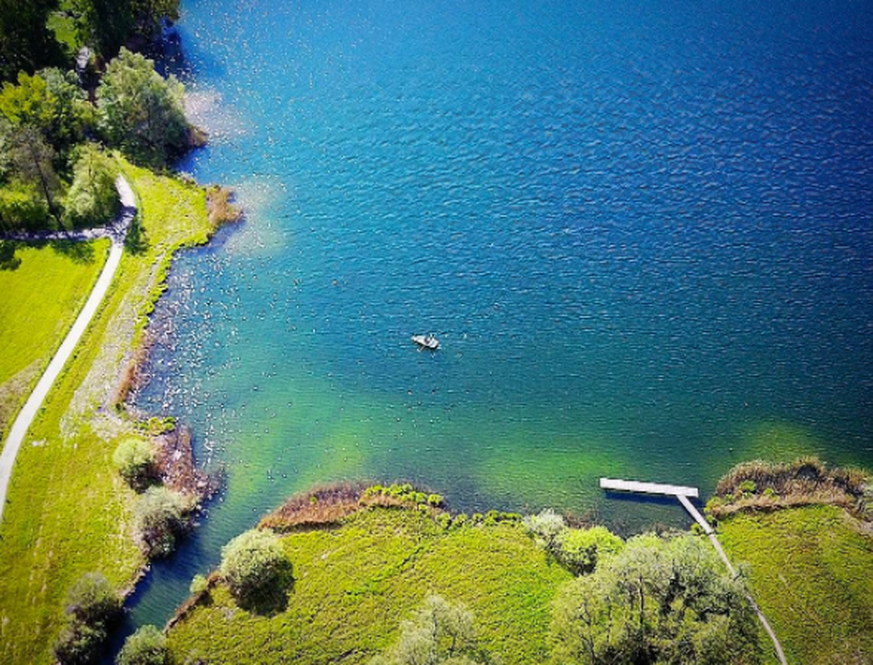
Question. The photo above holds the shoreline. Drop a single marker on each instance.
(90, 522)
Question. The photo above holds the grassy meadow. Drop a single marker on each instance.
(356, 583)
(43, 290)
(810, 572)
(68, 512)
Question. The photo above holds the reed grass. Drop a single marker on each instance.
(759, 485)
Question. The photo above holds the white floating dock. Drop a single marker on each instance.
(647, 488)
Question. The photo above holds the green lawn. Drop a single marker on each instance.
(356, 583)
(67, 511)
(812, 574)
(40, 299)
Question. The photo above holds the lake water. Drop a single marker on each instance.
(641, 230)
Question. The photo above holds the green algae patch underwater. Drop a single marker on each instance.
(355, 582)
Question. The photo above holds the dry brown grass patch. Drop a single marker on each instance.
(320, 507)
(760, 485)
(220, 207)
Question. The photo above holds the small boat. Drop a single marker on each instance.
(428, 342)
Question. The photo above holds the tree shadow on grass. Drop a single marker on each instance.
(273, 599)
(137, 241)
(8, 260)
(77, 251)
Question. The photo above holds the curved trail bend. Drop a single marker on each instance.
(116, 231)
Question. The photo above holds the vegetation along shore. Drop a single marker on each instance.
(387, 574)
(96, 491)
(379, 574)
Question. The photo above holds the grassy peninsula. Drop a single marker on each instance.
(354, 584)
(368, 569)
(537, 591)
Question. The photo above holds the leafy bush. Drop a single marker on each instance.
(21, 208)
(160, 517)
(93, 600)
(92, 199)
(198, 585)
(253, 564)
(748, 486)
(135, 461)
(79, 643)
(92, 604)
(399, 494)
(581, 549)
(545, 526)
(147, 646)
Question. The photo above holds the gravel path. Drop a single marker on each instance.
(116, 231)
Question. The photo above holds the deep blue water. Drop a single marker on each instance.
(641, 230)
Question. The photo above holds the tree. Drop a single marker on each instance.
(25, 41)
(49, 102)
(72, 113)
(666, 601)
(253, 564)
(440, 632)
(79, 643)
(135, 461)
(92, 200)
(40, 121)
(92, 604)
(546, 526)
(160, 516)
(110, 24)
(580, 549)
(147, 646)
(140, 111)
(32, 165)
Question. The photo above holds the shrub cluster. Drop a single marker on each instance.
(92, 605)
(659, 600)
(254, 566)
(160, 516)
(579, 550)
(491, 518)
(402, 494)
(135, 460)
(147, 646)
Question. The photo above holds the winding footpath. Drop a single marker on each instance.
(116, 231)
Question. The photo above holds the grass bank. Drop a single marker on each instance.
(67, 511)
(356, 582)
(43, 287)
(811, 572)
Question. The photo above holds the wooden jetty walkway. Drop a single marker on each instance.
(684, 495)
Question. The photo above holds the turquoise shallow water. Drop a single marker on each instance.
(642, 232)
